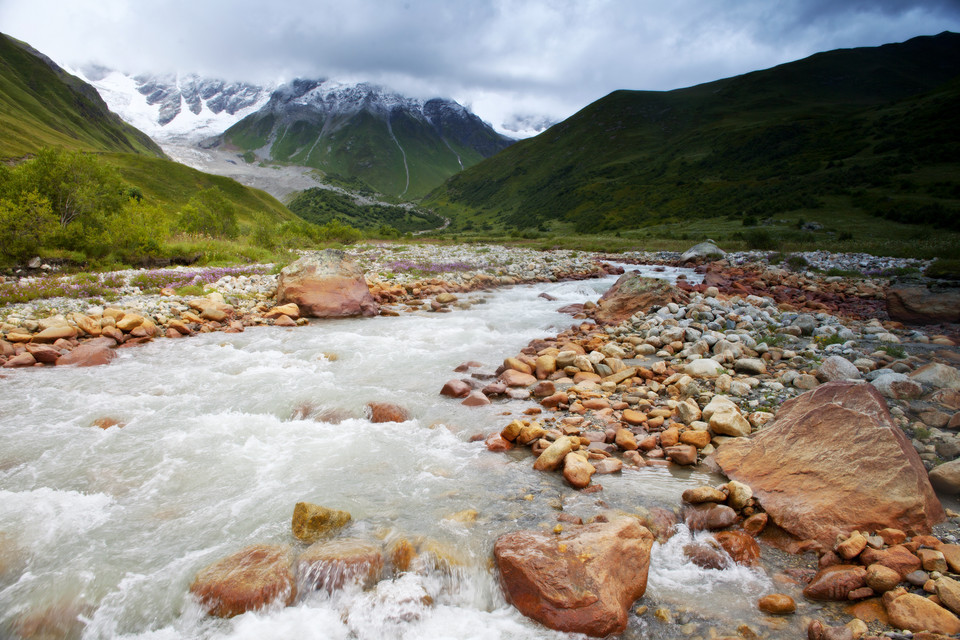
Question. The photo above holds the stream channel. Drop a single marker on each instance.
(102, 531)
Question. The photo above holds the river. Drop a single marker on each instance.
(103, 530)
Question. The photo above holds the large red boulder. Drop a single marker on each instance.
(833, 461)
(326, 285)
(248, 580)
(632, 293)
(921, 305)
(578, 582)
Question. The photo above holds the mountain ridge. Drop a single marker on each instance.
(760, 143)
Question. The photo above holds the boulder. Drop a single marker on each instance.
(514, 378)
(709, 516)
(704, 250)
(579, 582)
(326, 284)
(312, 522)
(897, 386)
(632, 293)
(248, 580)
(577, 471)
(386, 412)
(23, 360)
(837, 368)
(939, 376)
(91, 353)
(456, 389)
(920, 305)
(330, 564)
(916, 613)
(834, 461)
(946, 477)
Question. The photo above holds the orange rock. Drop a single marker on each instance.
(669, 437)
(740, 546)
(513, 378)
(495, 443)
(386, 412)
(248, 580)
(581, 582)
(916, 613)
(777, 604)
(697, 438)
(633, 417)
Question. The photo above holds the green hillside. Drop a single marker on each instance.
(41, 106)
(396, 154)
(861, 130)
(322, 206)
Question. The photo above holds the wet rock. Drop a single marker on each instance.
(92, 353)
(475, 399)
(700, 495)
(852, 546)
(817, 630)
(326, 285)
(330, 564)
(897, 557)
(916, 613)
(608, 465)
(23, 360)
(920, 305)
(577, 471)
(755, 524)
(552, 457)
(513, 378)
(836, 582)
(290, 310)
(626, 440)
(386, 412)
(682, 454)
(246, 581)
(455, 389)
(581, 582)
(706, 554)
(807, 468)
(496, 443)
(709, 517)
(741, 547)
(312, 522)
(777, 604)
(632, 293)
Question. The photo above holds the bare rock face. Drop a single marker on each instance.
(920, 305)
(580, 582)
(632, 293)
(326, 285)
(834, 461)
(248, 580)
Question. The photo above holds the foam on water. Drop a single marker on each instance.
(224, 433)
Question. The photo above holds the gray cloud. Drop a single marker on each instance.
(504, 57)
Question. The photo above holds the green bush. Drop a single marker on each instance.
(25, 225)
(209, 213)
(944, 269)
(760, 239)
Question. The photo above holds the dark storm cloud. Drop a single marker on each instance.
(505, 57)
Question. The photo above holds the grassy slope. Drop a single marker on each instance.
(808, 134)
(321, 206)
(172, 184)
(41, 105)
(360, 146)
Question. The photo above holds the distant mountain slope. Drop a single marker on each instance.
(397, 145)
(875, 128)
(42, 105)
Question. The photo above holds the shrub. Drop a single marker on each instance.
(209, 213)
(796, 262)
(760, 239)
(944, 269)
(25, 225)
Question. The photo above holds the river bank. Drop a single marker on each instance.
(656, 351)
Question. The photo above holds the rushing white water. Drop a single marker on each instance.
(101, 531)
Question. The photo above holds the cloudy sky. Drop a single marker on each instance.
(509, 60)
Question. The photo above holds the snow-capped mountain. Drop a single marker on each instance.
(173, 107)
(396, 144)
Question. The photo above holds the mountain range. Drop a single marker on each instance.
(870, 129)
(399, 146)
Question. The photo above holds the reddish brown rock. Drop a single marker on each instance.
(544, 389)
(386, 412)
(897, 557)
(777, 604)
(836, 582)
(632, 293)
(456, 389)
(496, 443)
(284, 321)
(577, 471)
(916, 613)
(709, 516)
(326, 285)
(581, 582)
(25, 359)
(921, 305)
(807, 468)
(475, 399)
(755, 524)
(330, 564)
(43, 353)
(742, 548)
(248, 580)
(706, 554)
(91, 353)
(513, 378)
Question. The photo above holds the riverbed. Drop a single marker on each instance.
(221, 434)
